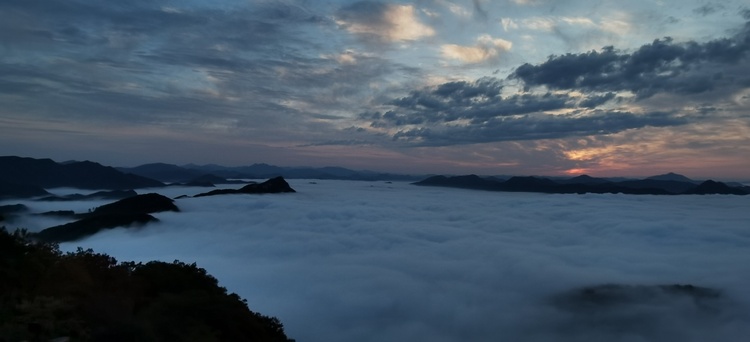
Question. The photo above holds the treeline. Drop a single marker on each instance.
(46, 294)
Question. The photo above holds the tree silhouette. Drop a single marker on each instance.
(88, 296)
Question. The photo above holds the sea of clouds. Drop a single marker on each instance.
(377, 261)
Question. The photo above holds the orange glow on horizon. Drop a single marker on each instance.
(576, 171)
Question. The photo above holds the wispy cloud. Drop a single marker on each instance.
(383, 22)
(486, 48)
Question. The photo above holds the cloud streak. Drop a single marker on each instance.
(487, 48)
(383, 22)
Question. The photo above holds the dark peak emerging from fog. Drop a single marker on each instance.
(192, 174)
(136, 210)
(657, 185)
(584, 179)
(28, 177)
(467, 182)
(265, 171)
(146, 203)
(10, 189)
(272, 186)
(9, 210)
(133, 210)
(113, 194)
(45, 173)
(713, 187)
(592, 298)
(176, 175)
(163, 172)
(671, 176)
(659, 311)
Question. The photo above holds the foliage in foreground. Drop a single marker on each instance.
(87, 296)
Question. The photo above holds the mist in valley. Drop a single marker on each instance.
(377, 261)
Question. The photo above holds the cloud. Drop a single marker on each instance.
(383, 22)
(534, 127)
(248, 74)
(479, 12)
(557, 23)
(627, 102)
(457, 113)
(487, 48)
(369, 261)
(661, 66)
(527, 2)
(708, 9)
(577, 32)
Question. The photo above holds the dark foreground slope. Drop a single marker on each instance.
(586, 184)
(86, 296)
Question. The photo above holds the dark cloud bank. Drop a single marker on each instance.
(590, 89)
(365, 261)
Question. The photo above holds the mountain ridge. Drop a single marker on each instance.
(586, 184)
(46, 173)
(189, 172)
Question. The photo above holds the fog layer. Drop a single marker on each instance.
(360, 261)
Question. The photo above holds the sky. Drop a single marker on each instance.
(372, 261)
(606, 88)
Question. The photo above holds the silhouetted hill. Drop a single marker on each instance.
(199, 175)
(710, 187)
(133, 210)
(584, 179)
(113, 194)
(146, 203)
(59, 213)
(8, 211)
(466, 182)
(592, 298)
(45, 173)
(670, 186)
(47, 295)
(167, 173)
(13, 208)
(209, 178)
(10, 189)
(91, 225)
(671, 176)
(271, 186)
(530, 184)
(580, 185)
(265, 171)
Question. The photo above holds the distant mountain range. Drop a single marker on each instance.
(191, 172)
(669, 184)
(28, 177)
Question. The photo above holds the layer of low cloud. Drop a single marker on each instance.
(343, 261)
